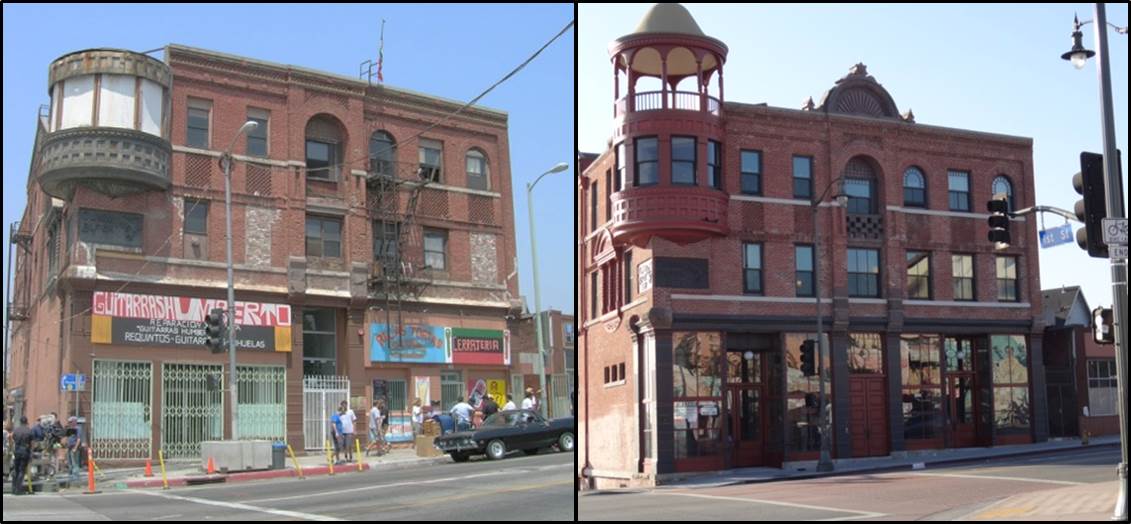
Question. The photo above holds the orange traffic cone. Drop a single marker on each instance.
(148, 467)
(211, 466)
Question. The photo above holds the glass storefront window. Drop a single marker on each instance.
(959, 355)
(697, 370)
(921, 391)
(865, 353)
(1011, 384)
(744, 367)
(802, 398)
(697, 428)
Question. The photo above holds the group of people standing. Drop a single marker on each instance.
(60, 447)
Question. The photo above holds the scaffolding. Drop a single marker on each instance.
(394, 278)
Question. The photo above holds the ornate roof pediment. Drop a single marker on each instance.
(858, 93)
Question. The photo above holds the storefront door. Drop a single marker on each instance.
(746, 407)
(960, 400)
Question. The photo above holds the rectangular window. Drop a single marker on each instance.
(319, 342)
(683, 160)
(385, 235)
(1007, 285)
(803, 177)
(628, 276)
(451, 388)
(752, 265)
(199, 112)
(257, 138)
(431, 155)
(919, 275)
(647, 162)
(751, 172)
(321, 160)
(920, 366)
(803, 260)
(714, 164)
(593, 296)
(1102, 390)
(863, 273)
(620, 182)
(608, 196)
(962, 270)
(859, 193)
(435, 248)
(1010, 356)
(323, 237)
(865, 354)
(593, 207)
(110, 228)
(196, 217)
(959, 190)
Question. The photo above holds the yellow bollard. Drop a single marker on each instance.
(329, 459)
(164, 479)
(357, 446)
(295, 460)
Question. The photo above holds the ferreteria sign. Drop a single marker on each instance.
(479, 346)
(154, 320)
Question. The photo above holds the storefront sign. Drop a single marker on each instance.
(153, 320)
(498, 391)
(416, 344)
(424, 390)
(478, 346)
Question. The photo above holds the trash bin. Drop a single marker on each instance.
(279, 455)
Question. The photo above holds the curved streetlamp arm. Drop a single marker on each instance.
(818, 201)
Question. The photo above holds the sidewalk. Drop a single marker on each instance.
(182, 473)
(897, 461)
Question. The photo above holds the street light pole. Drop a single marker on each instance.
(825, 462)
(539, 364)
(226, 159)
(1112, 183)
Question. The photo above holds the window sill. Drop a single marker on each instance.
(614, 384)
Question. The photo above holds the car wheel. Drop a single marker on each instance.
(566, 442)
(496, 449)
(460, 457)
(530, 451)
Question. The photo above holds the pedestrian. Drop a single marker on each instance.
(376, 428)
(336, 433)
(74, 447)
(21, 455)
(417, 420)
(490, 407)
(509, 405)
(348, 418)
(529, 402)
(462, 412)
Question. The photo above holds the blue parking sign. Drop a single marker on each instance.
(72, 382)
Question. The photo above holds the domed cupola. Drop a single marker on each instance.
(668, 131)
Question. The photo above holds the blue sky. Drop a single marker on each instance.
(452, 51)
(994, 68)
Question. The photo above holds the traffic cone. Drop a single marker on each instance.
(148, 467)
(211, 466)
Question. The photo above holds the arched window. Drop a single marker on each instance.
(1003, 185)
(860, 186)
(324, 141)
(914, 188)
(382, 154)
(477, 174)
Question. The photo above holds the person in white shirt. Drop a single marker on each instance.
(462, 412)
(529, 402)
(348, 418)
(509, 405)
(376, 423)
(417, 420)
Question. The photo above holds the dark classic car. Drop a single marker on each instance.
(509, 430)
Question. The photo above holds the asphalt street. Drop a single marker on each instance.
(520, 487)
(935, 493)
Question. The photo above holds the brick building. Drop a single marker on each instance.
(699, 266)
(560, 361)
(371, 250)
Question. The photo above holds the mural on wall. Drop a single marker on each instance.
(416, 344)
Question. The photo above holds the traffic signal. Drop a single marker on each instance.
(808, 358)
(1103, 327)
(1092, 210)
(214, 329)
(999, 220)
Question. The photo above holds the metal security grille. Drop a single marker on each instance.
(262, 406)
(192, 408)
(320, 397)
(451, 388)
(121, 423)
(400, 421)
(397, 392)
(559, 403)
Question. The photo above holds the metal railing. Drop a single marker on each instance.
(654, 100)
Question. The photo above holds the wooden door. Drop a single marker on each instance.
(868, 416)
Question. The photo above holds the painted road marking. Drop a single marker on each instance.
(989, 477)
(862, 514)
(236, 505)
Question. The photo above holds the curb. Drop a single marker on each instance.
(878, 469)
(311, 471)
